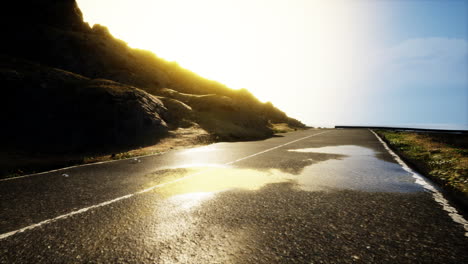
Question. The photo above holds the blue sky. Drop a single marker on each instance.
(424, 18)
(426, 82)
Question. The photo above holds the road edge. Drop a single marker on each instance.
(427, 184)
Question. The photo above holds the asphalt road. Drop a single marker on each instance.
(315, 196)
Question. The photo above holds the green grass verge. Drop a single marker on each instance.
(441, 157)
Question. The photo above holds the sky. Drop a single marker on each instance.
(324, 62)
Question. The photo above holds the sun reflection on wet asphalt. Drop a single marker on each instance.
(217, 179)
(360, 170)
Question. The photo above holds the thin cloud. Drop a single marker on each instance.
(424, 61)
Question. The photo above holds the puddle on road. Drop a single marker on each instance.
(216, 179)
(199, 157)
(359, 169)
(188, 187)
(203, 150)
(348, 150)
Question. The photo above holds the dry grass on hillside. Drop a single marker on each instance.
(178, 139)
(282, 128)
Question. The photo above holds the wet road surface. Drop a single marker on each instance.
(315, 196)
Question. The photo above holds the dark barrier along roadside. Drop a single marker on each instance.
(428, 130)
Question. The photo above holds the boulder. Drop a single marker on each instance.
(47, 109)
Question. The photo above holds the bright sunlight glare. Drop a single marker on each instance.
(302, 55)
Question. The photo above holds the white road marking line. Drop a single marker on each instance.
(76, 166)
(270, 149)
(51, 220)
(438, 197)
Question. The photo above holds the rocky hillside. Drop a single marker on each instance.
(75, 87)
(55, 110)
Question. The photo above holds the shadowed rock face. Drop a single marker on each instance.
(63, 14)
(51, 110)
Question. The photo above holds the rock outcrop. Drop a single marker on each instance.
(52, 110)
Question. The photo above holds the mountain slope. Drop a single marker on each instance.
(65, 73)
